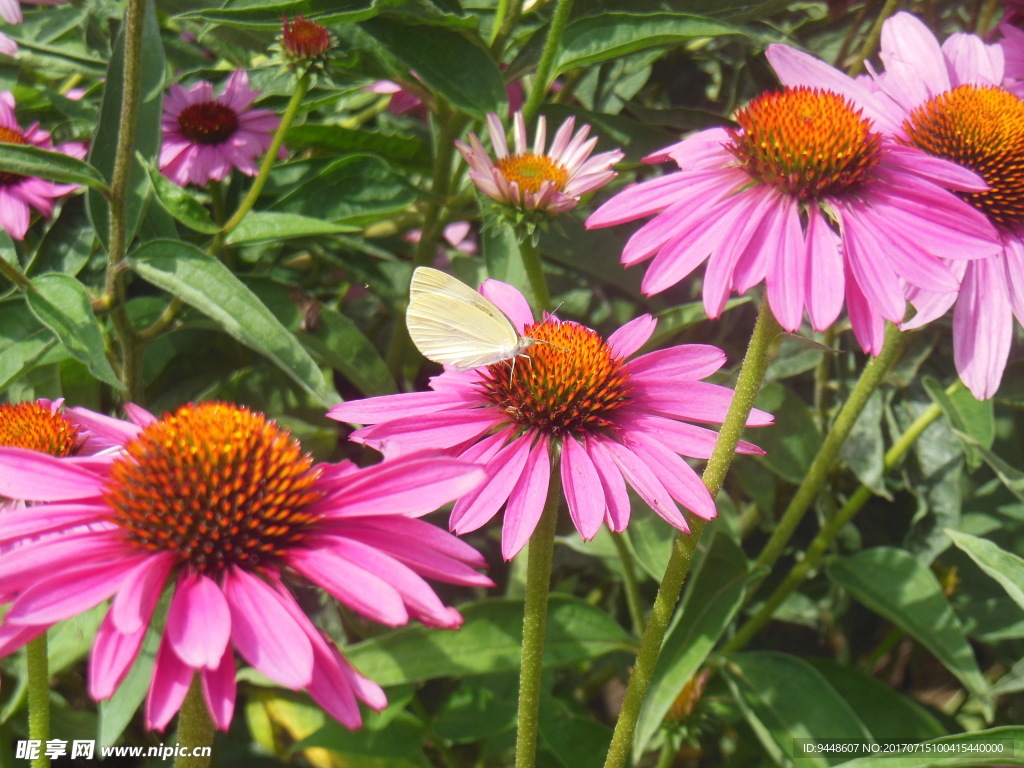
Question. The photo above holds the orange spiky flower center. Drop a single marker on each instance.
(208, 122)
(216, 484)
(568, 381)
(37, 428)
(304, 39)
(981, 128)
(10, 136)
(806, 142)
(530, 171)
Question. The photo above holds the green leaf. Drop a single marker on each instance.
(864, 449)
(180, 202)
(710, 604)
(611, 35)
(22, 341)
(466, 75)
(972, 417)
(340, 343)
(489, 641)
(266, 14)
(261, 226)
(356, 189)
(784, 698)
(964, 750)
(888, 715)
(571, 735)
(26, 160)
(147, 125)
(896, 585)
(1011, 477)
(401, 148)
(62, 304)
(793, 441)
(1003, 566)
(206, 284)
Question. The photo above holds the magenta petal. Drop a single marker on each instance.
(687, 361)
(982, 328)
(413, 434)
(675, 474)
(786, 283)
(503, 474)
(370, 410)
(615, 494)
(113, 654)
(825, 278)
(13, 637)
(871, 271)
(633, 335)
(44, 518)
(526, 501)
(264, 632)
(171, 681)
(510, 301)
(198, 622)
(115, 430)
(407, 486)
(583, 489)
(644, 481)
(219, 690)
(35, 476)
(1013, 259)
(140, 591)
(868, 325)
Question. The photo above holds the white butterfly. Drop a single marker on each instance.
(452, 324)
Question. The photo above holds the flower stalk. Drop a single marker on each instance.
(534, 269)
(762, 348)
(535, 619)
(195, 729)
(114, 289)
(38, 697)
(543, 77)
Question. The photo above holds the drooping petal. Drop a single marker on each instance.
(614, 486)
(171, 681)
(198, 622)
(526, 501)
(982, 328)
(503, 474)
(219, 690)
(583, 490)
(35, 476)
(113, 653)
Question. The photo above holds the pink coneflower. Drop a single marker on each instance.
(614, 421)
(206, 136)
(1012, 43)
(948, 102)
(809, 197)
(220, 507)
(18, 192)
(549, 180)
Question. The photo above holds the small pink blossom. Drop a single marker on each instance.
(206, 136)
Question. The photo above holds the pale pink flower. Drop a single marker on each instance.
(220, 508)
(808, 196)
(550, 180)
(612, 420)
(1012, 43)
(950, 102)
(206, 136)
(18, 192)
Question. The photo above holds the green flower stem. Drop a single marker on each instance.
(546, 66)
(38, 697)
(636, 613)
(15, 275)
(535, 620)
(505, 21)
(114, 288)
(762, 348)
(831, 529)
(822, 379)
(195, 728)
(818, 472)
(871, 41)
(268, 160)
(530, 255)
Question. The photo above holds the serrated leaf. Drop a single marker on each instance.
(181, 203)
(260, 226)
(204, 283)
(26, 160)
(62, 304)
(489, 641)
(896, 585)
(1003, 566)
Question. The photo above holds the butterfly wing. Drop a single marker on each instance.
(452, 324)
